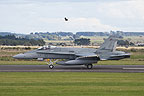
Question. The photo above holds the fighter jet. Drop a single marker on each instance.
(77, 56)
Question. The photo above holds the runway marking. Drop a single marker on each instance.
(133, 68)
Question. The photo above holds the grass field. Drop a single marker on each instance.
(22, 62)
(71, 84)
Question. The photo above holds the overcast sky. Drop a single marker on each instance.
(26, 16)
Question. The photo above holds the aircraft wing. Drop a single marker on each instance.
(88, 56)
(81, 59)
(85, 54)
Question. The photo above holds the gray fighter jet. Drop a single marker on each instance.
(77, 56)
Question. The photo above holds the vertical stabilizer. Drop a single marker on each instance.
(109, 44)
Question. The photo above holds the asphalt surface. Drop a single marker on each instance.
(58, 68)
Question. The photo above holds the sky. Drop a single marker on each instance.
(26, 16)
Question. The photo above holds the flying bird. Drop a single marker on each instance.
(66, 19)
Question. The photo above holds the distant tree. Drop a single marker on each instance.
(27, 44)
(13, 41)
(50, 44)
(10, 37)
(82, 41)
(64, 34)
(0, 37)
(41, 42)
(124, 43)
(61, 44)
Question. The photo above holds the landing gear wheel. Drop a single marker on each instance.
(51, 66)
(89, 66)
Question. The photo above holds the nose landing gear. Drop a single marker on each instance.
(50, 63)
(51, 66)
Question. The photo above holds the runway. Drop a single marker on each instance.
(58, 68)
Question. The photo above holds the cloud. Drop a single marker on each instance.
(126, 15)
(48, 1)
(95, 15)
(77, 24)
(125, 9)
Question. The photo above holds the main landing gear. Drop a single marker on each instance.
(50, 63)
(89, 66)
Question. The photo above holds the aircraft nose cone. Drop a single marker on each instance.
(19, 56)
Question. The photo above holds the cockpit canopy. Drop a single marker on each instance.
(46, 47)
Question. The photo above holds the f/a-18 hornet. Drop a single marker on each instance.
(77, 56)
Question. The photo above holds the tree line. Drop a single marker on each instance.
(11, 40)
(82, 41)
(85, 41)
